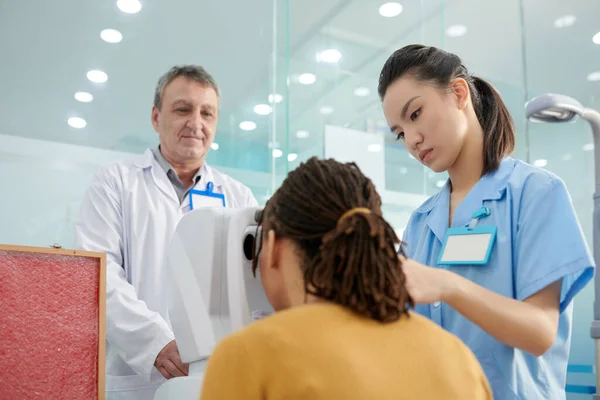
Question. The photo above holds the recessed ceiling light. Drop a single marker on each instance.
(214, 146)
(247, 125)
(302, 134)
(307, 79)
(594, 76)
(374, 148)
(326, 110)
(567, 157)
(390, 10)
(329, 56)
(440, 183)
(404, 170)
(97, 76)
(83, 97)
(292, 157)
(588, 147)
(596, 38)
(456, 30)
(540, 163)
(129, 6)
(277, 153)
(275, 98)
(564, 21)
(263, 109)
(111, 35)
(76, 122)
(362, 91)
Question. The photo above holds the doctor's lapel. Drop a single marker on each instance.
(159, 176)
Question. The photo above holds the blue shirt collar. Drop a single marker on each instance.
(490, 187)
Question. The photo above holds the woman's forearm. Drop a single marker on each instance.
(523, 325)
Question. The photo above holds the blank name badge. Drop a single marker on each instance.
(206, 198)
(468, 245)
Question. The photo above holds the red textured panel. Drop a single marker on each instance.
(49, 327)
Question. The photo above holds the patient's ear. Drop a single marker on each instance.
(270, 251)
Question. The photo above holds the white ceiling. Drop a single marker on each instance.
(47, 47)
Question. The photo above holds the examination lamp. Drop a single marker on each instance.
(559, 108)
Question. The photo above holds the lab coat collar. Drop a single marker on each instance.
(147, 160)
(490, 187)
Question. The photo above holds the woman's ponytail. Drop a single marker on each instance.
(358, 267)
(497, 124)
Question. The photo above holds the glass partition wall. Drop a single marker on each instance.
(293, 75)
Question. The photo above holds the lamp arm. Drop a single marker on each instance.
(593, 117)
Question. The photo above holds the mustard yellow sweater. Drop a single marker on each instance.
(323, 351)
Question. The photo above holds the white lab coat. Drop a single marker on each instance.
(130, 212)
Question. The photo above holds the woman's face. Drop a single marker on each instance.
(431, 122)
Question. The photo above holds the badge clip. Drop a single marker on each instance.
(477, 215)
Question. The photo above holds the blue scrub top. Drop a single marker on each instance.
(539, 241)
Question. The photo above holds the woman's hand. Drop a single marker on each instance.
(426, 285)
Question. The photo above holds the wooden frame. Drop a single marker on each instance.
(101, 299)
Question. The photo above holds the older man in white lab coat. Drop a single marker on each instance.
(130, 212)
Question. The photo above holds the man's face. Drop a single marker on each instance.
(186, 121)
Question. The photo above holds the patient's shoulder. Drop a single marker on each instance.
(285, 328)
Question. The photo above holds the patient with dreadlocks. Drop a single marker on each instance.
(343, 328)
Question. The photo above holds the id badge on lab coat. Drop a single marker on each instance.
(469, 245)
(206, 198)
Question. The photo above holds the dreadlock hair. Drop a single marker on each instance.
(350, 261)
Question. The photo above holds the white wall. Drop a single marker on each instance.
(366, 149)
(363, 148)
(42, 186)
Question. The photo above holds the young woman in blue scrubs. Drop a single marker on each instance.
(508, 297)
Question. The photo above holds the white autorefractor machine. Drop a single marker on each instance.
(557, 108)
(213, 290)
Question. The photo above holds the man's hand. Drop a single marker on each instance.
(169, 363)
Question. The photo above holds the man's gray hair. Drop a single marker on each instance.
(192, 72)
